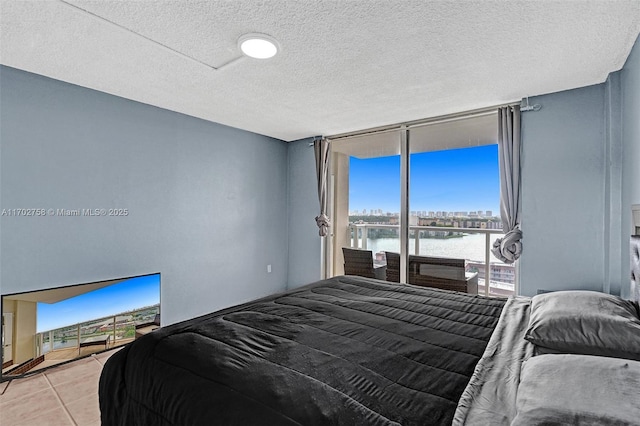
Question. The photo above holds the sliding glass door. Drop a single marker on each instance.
(427, 192)
(455, 199)
(366, 188)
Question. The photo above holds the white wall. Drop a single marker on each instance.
(207, 203)
(24, 328)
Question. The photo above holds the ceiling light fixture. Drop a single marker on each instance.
(259, 46)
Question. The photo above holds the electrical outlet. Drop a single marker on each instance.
(268, 269)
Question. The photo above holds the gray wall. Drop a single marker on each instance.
(630, 85)
(612, 215)
(580, 176)
(563, 173)
(304, 241)
(207, 203)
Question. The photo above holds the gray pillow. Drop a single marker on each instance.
(578, 390)
(584, 322)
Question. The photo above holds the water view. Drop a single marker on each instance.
(469, 246)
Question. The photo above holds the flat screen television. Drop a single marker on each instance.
(44, 328)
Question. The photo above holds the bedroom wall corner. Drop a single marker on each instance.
(630, 89)
(563, 178)
(612, 216)
(304, 243)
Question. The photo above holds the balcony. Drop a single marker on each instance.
(79, 340)
(472, 244)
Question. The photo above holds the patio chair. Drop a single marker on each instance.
(393, 266)
(360, 262)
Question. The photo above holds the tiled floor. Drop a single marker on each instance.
(60, 396)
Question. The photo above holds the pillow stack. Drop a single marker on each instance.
(589, 373)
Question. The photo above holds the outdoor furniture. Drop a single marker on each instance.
(102, 339)
(360, 262)
(147, 327)
(439, 272)
(444, 273)
(393, 266)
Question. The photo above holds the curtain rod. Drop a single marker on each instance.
(423, 122)
(527, 107)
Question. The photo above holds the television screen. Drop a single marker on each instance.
(48, 327)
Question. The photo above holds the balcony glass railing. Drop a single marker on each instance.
(472, 244)
(118, 328)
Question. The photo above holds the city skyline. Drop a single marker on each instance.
(430, 213)
(457, 180)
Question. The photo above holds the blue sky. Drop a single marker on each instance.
(125, 296)
(454, 180)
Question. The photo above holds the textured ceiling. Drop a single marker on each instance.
(344, 65)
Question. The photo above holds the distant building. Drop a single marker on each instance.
(500, 272)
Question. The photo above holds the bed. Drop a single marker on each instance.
(359, 351)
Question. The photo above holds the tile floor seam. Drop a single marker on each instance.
(5, 387)
(20, 396)
(95, 358)
(10, 407)
(45, 384)
(64, 407)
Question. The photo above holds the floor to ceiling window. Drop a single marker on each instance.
(452, 202)
(366, 188)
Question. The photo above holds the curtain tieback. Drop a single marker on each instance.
(508, 248)
(323, 223)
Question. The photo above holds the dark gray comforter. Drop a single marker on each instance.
(344, 351)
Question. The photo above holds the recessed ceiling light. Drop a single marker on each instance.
(259, 46)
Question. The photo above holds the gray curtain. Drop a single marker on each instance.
(321, 148)
(509, 248)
